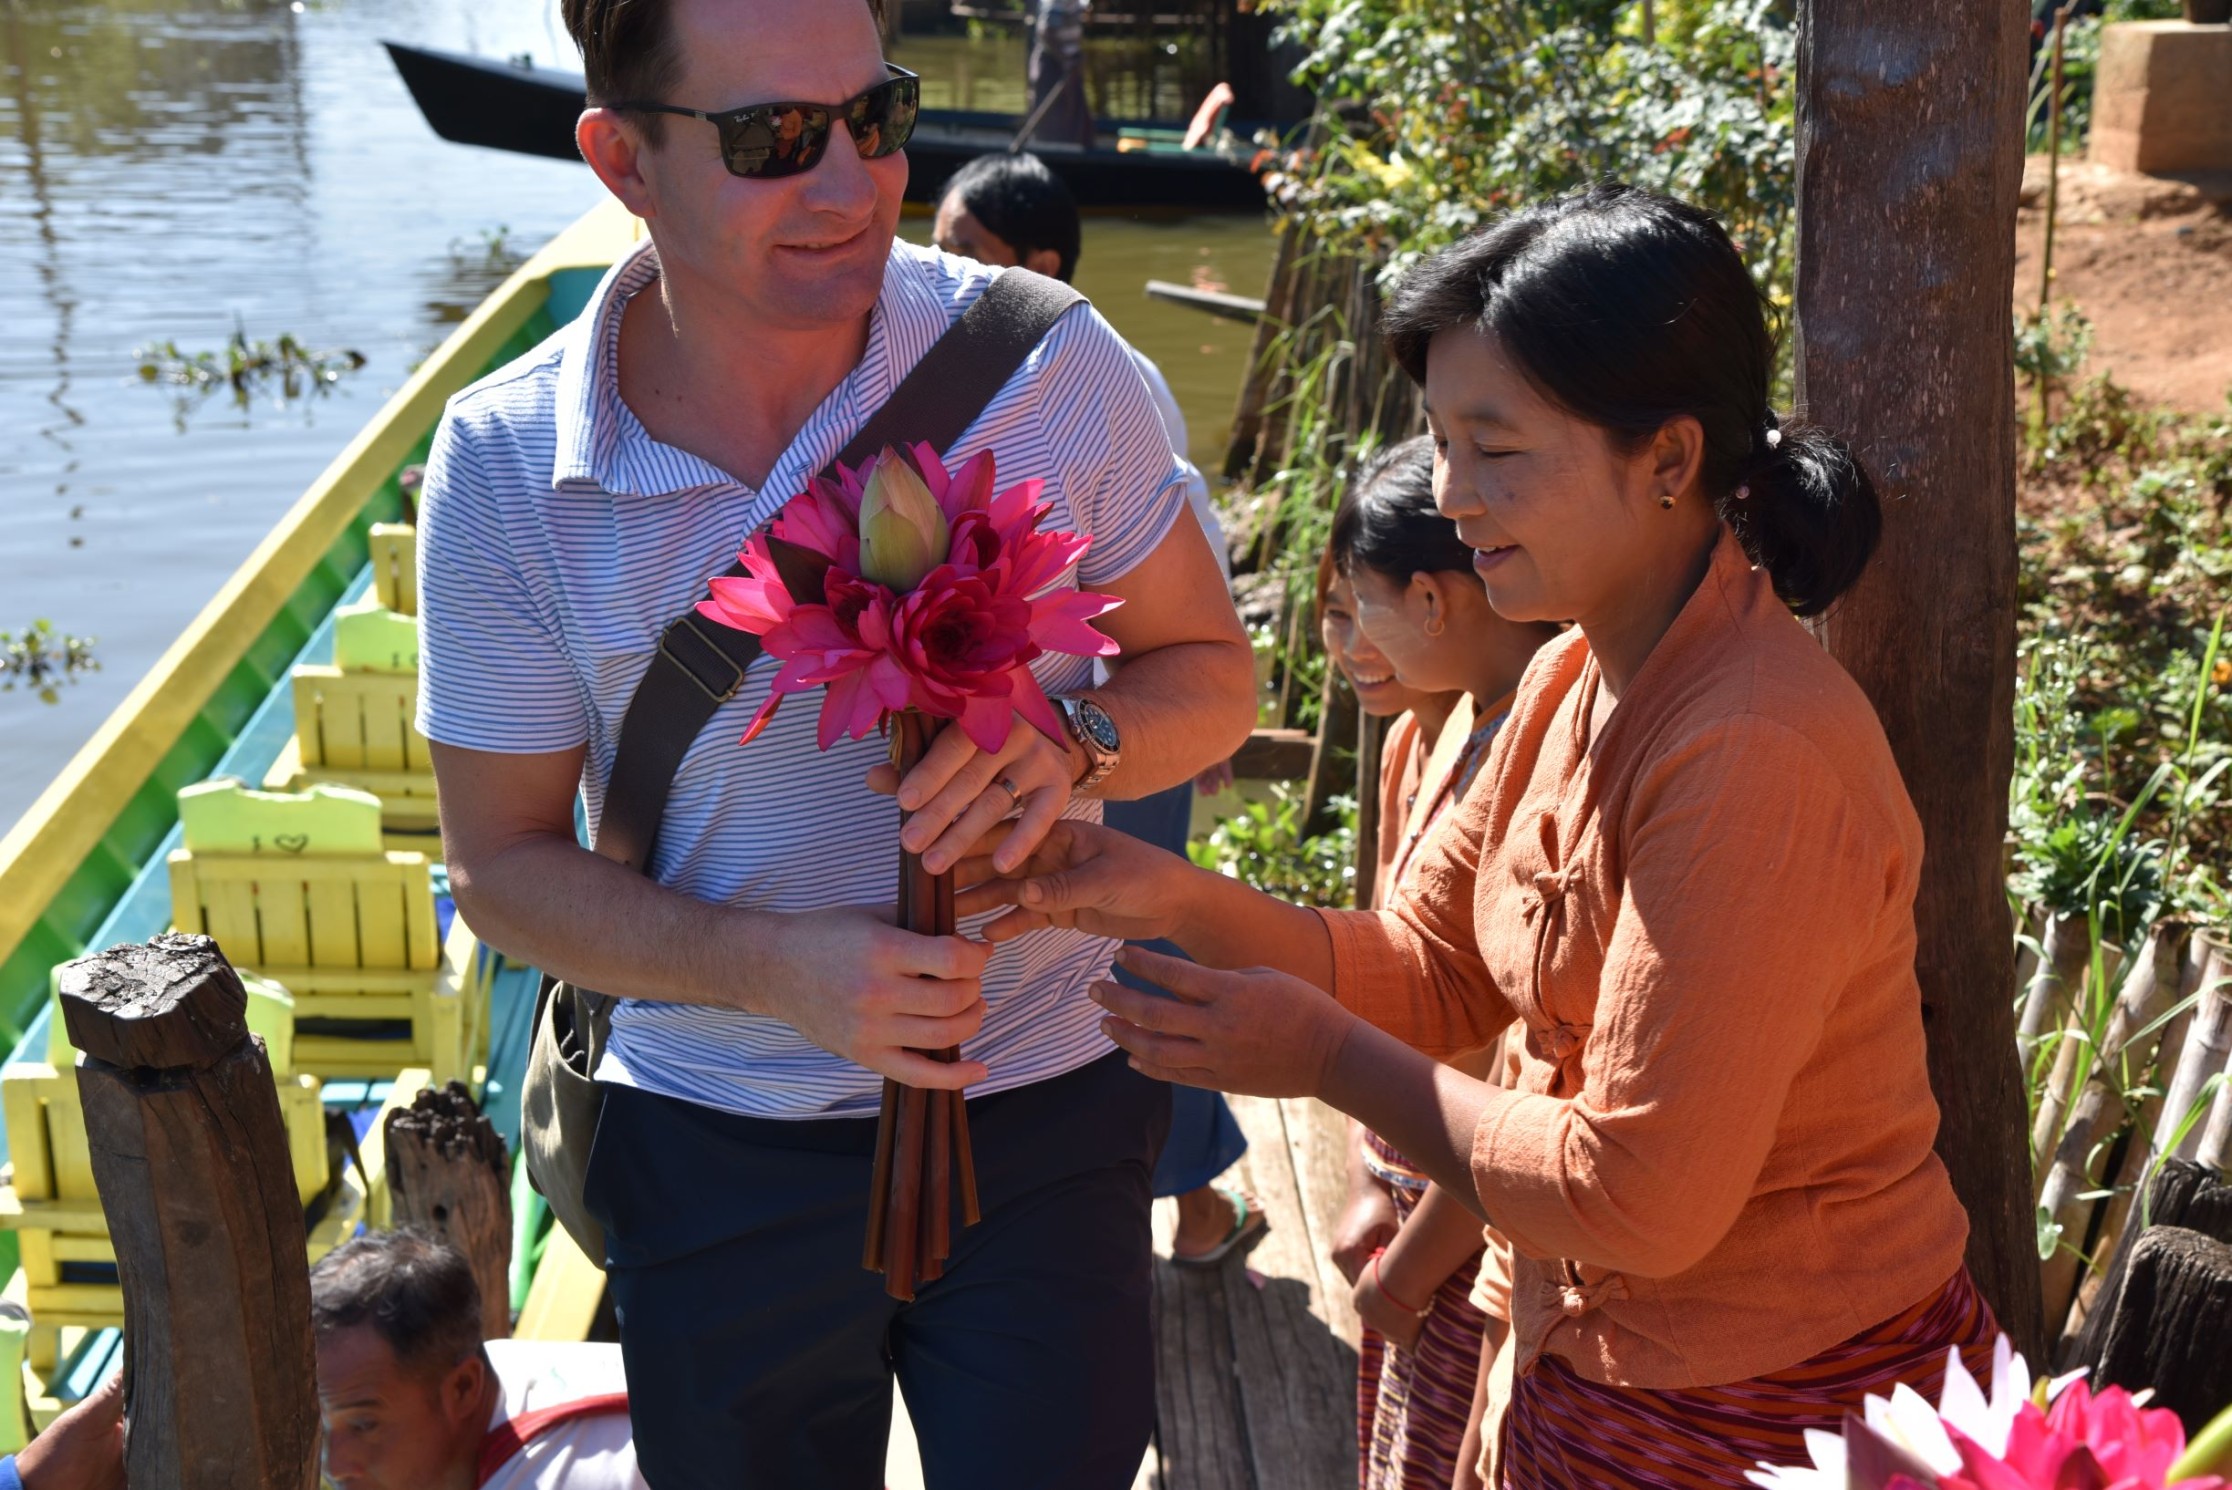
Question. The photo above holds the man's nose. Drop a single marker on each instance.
(840, 182)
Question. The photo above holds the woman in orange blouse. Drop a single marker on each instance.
(1688, 873)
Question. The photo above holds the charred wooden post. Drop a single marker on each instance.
(2170, 1323)
(448, 1177)
(2183, 1196)
(190, 1154)
(1910, 123)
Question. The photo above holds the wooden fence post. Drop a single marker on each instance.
(1910, 121)
(447, 1177)
(190, 1156)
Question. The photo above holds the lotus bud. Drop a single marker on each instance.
(903, 532)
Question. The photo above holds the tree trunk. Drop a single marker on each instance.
(190, 1156)
(1910, 117)
(448, 1177)
(2182, 1195)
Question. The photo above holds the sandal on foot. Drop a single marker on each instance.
(1248, 1225)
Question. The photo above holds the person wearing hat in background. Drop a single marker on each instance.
(1008, 209)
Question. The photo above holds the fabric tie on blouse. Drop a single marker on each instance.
(1576, 1298)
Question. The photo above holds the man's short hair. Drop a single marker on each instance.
(628, 54)
(1022, 203)
(416, 1292)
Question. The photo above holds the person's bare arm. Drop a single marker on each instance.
(1182, 696)
(1437, 1239)
(845, 978)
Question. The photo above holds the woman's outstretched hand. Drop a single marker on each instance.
(1255, 1032)
(1079, 875)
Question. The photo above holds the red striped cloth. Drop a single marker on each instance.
(1412, 1405)
(1568, 1433)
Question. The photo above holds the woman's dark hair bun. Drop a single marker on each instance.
(1806, 512)
(1628, 309)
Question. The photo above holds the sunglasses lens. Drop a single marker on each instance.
(882, 120)
(778, 141)
(783, 139)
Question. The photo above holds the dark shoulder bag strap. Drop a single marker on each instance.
(700, 665)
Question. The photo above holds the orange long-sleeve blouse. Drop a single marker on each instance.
(1717, 1162)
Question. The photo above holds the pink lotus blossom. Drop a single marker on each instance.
(2010, 1441)
(957, 645)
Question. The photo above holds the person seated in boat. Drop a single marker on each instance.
(82, 1449)
(1687, 873)
(1008, 209)
(575, 503)
(413, 1398)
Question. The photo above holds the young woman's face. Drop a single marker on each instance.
(1379, 692)
(1402, 621)
(1562, 523)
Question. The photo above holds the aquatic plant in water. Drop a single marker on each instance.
(245, 369)
(39, 658)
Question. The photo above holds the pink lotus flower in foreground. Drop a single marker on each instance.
(901, 585)
(2063, 1437)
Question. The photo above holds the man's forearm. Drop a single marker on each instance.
(1179, 709)
(604, 926)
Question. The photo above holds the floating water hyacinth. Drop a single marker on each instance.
(2062, 1436)
(915, 597)
(898, 585)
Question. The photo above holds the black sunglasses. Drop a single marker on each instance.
(765, 141)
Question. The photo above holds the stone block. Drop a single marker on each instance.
(2162, 99)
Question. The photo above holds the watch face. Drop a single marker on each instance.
(1093, 722)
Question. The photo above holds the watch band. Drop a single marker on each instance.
(1101, 761)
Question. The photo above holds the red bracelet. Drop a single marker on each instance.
(1380, 1284)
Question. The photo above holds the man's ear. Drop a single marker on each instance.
(615, 151)
(1044, 261)
(461, 1388)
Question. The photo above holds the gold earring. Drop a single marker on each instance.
(1666, 500)
(1434, 627)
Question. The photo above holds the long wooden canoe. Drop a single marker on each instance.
(68, 863)
(86, 866)
(531, 111)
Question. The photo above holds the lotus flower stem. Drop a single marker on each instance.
(922, 1137)
(872, 1256)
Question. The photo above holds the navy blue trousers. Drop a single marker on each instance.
(761, 1354)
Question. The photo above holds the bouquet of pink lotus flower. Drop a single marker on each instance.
(2058, 1436)
(915, 597)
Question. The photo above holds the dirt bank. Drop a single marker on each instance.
(2149, 261)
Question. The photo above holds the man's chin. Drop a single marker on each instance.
(837, 282)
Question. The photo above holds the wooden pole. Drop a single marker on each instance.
(1910, 122)
(190, 1156)
(448, 1177)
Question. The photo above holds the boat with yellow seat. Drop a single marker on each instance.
(103, 856)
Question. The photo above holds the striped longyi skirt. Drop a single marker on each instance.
(1564, 1432)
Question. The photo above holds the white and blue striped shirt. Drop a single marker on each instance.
(558, 539)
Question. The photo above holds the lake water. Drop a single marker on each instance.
(177, 170)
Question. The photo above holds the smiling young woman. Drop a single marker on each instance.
(1688, 874)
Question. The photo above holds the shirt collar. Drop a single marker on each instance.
(602, 446)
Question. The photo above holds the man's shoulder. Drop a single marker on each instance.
(951, 283)
(518, 398)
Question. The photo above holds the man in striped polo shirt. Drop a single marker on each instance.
(575, 502)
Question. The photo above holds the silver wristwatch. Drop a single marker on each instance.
(1095, 734)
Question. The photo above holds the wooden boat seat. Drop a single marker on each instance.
(395, 566)
(353, 723)
(298, 887)
(65, 1276)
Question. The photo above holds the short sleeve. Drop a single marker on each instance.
(1126, 485)
(494, 674)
